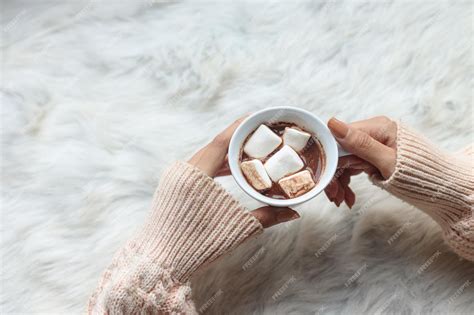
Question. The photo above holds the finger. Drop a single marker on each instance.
(364, 146)
(349, 197)
(330, 198)
(270, 216)
(349, 161)
(368, 169)
(340, 194)
(224, 170)
(381, 128)
(345, 164)
(345, 178)
(352, 162)
(354, 172)
(210, 158)
(331, 189)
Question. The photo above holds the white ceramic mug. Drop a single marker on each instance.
(302, 118)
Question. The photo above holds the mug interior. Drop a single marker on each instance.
(301, 118)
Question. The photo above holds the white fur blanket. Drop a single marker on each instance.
(98, 97)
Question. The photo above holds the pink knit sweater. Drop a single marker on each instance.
(193, 221)
(440, 184)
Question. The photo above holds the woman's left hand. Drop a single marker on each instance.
(212, 160)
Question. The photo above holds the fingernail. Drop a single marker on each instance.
(285, 216)
(338, 128)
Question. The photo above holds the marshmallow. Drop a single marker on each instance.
(282, 163)
(295, 138)
(256, 174)
(262, 142)
(297, 184)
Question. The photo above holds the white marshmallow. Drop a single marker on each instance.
(262, 142)
(295, 138)
(297, 184)
(256, 175)
(282, 163)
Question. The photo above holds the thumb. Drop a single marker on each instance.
(270, 216)
(364, 146)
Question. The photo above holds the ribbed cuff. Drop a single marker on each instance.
(193, 222)
(439, 184)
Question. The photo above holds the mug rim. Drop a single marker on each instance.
(328, 172)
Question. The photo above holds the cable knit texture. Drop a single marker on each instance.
(193, 221)
(440, 184)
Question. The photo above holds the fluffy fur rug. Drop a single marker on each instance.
(99, 97)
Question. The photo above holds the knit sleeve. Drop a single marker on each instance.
(193, 221)
(440, 184)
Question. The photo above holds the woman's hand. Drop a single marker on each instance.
(212, 160)
(373, 145)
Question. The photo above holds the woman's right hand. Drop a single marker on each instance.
(373, 143)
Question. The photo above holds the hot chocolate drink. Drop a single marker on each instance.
(281, 160)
